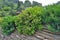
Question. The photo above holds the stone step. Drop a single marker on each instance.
(46, 30)
(39, 37)
(44, 36)
(43, 32)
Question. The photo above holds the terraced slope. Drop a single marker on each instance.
(40, 35)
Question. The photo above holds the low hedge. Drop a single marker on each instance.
(29, 20)
(8, 25)
(52, 18)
